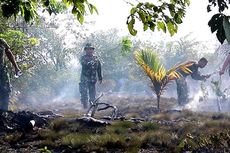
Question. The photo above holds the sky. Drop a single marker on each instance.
(113, 14)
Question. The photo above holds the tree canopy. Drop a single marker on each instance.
(162, 15)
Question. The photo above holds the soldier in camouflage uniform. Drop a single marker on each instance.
(182, 87)
(91, 71)
(4, 78)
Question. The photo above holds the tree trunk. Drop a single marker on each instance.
(158, 103)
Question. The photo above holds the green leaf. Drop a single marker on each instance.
(152, 26)
(133, 10)
(145, 27)
(95, 9)
(187, 2)
(22, 10)
(161, 25)
(216, 22)
(132, 31)
(139, 5)
(220, 34)
(171, 28)
(80, 17)
(226, 26)
(142, 16)
(177, 18)
(80, 7)
(74, 11)
(171, 9)
(90, 8)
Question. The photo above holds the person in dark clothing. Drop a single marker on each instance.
(91, 72)
(182, 87)
(4, 77)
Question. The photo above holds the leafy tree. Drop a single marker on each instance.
(163, 15)
(154, 15)
(28, 9)
(21, 45)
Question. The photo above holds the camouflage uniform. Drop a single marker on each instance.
(4, 77)
(182, 87)
(91, 69)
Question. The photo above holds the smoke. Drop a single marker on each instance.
(211, 99)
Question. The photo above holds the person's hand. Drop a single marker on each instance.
(100, 81)
(18, 72)
(221, 72)
(207, 76)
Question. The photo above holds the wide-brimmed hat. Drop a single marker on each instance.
(88, 46)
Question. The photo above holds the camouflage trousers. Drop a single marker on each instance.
(182, 91)
(87, 89)
(4, 89)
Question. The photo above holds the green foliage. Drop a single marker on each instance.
(212, 141)
(216, 24)
(156, 15)
(226, 26)
(18, 40)
(28, 9)
(222, 5)
(219, 22)
(21, 46)
(45, 150)
(126, 46)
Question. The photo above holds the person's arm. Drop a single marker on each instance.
(226, 63)
(99, 72)
(11, 58)
(83, 61)
(197, 76)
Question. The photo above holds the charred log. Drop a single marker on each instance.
(21, 121)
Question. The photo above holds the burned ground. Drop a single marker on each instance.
(139, 127)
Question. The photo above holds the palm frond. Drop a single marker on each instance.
(175, 71)
(149, 58)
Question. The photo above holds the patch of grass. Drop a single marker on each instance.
(148, 126)
(120, 127)
(109, 141)
(48, 134)
(13, 137)
(58, 124)
(158, 138)
(128, 143)
(75, 140)
(215, 126)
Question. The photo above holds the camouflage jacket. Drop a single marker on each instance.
(4, 77)
(3, 47)
(195, 73)
(91, 69)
